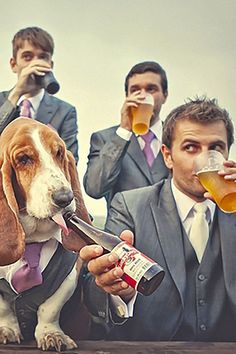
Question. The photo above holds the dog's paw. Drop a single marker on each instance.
(58, 340)
(10, 335)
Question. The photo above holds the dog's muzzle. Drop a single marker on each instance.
(63, 197)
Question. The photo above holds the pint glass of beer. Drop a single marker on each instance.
(141, 115)
(206, 166)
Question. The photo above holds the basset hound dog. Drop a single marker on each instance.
(38, 183)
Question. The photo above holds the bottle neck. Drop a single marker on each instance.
(89, 233)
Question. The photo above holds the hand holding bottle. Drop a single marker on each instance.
(102, 267)
(139, 271)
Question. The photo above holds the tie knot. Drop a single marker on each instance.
(26, 103)
(32, 253)
(148, 137)
(25, 108)
(200, 208)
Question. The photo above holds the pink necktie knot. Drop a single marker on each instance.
(148, 137)
(25, 108)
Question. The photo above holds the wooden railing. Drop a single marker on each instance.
(104, 347)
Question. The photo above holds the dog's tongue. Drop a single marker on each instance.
(58, 219)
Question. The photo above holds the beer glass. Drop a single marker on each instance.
(141, 115)
(206, 167)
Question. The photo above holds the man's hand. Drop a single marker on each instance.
(229, 174)
(103, 267)
(26, 81)
(132, 101)
(229, 171)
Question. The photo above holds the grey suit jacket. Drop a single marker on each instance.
(60, 114)
(151, 214)
(115, 165)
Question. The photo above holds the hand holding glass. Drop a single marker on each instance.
(206, 166)
(142, 114)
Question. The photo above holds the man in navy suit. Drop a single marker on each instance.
(32, 55)
(116, 161)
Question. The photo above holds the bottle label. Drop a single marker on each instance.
(132, 262)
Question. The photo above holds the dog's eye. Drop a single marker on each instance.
(24, 159)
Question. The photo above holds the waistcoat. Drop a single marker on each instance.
(207, 316)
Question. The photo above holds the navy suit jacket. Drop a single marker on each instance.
(59, 114)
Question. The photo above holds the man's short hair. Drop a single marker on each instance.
(36, 36)
(142, 68)
(201, 110)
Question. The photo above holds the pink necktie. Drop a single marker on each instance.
(25, 108)
(29, 275)
(148, 137)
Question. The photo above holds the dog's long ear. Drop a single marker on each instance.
(72, 241)
(12, 236)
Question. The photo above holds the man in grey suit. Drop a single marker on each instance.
(116, 161)
(196, 300)
(32, 55)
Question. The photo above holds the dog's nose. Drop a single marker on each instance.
(62, 197)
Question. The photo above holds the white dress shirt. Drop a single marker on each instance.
(35, 102)
(185, 205)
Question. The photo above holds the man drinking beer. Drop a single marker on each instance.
(175, 223)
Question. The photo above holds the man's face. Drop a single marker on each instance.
(189, 140)
(149, 82)
(26, 54)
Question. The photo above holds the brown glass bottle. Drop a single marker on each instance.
(140, 272)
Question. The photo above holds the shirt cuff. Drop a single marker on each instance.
(123, 133)
(121, 308)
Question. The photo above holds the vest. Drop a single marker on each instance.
(207, 316)
(26, 303)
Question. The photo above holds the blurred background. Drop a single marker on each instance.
(98, 41)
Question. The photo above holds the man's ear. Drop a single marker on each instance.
(52, 64)
(166, 152)
(13, 65)
(165, 97)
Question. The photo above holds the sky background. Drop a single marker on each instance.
(98, 41)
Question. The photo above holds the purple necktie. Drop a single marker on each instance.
(148, 137)
(25, 108)
(29, 275)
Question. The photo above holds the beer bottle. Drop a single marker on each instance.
(140, 272)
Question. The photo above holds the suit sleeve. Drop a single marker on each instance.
(104, 164)
(69, 132)
(7, 113)
(97, 301)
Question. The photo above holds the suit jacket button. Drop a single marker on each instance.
(203, 327)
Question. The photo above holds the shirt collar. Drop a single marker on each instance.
(34, 100)
(185, 204)
(156, 128)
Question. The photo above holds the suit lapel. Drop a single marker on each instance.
(169, 230)
(159, 169)
(137, 155)
(47, 109)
